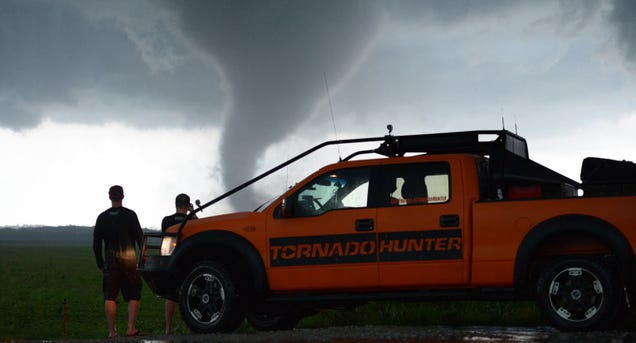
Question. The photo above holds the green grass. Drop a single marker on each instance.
(35, 281)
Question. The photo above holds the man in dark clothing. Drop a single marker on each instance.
(118, 231)
(183, 205)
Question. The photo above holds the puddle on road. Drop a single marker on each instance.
(393, 334)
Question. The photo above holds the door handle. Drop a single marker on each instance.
(364, 225)
(449, 220)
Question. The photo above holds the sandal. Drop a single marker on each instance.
(136, 333)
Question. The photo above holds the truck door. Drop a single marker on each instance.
(420, 226)
(324, 236)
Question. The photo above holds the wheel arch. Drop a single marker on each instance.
(226, 247)
(583, 225)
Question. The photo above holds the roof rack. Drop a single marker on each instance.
(483, 142)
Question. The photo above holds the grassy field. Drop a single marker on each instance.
(36, 281)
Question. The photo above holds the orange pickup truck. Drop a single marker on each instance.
(449, 216)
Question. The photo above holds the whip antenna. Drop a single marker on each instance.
(333, 120)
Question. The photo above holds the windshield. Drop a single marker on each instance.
(346, 188)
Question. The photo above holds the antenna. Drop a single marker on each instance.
(333, 120)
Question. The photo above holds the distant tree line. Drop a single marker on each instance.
(47, 235)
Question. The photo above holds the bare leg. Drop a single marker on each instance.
(133, 311)
(110, 307)
(170, 306)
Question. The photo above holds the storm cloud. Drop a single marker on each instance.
(78, 57)
(623, 16)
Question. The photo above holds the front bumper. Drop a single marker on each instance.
(154, 268)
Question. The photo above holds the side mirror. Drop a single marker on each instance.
(287, 208)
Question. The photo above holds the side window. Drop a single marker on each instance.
(415, 183)
(345, 188)
(438, 188)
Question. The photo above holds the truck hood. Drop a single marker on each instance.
(226, 218)
(228, 222)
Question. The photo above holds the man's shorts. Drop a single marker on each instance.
(173, 295)
(125, 280)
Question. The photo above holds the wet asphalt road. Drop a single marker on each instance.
(390, 334)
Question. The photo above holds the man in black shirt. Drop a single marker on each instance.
(118, 231)
(183, 205)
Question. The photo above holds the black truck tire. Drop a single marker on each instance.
(579, 294)
(209, 300)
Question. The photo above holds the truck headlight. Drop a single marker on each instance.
(167, 245)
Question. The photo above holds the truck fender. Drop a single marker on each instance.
(210, 241)
(582, 224)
